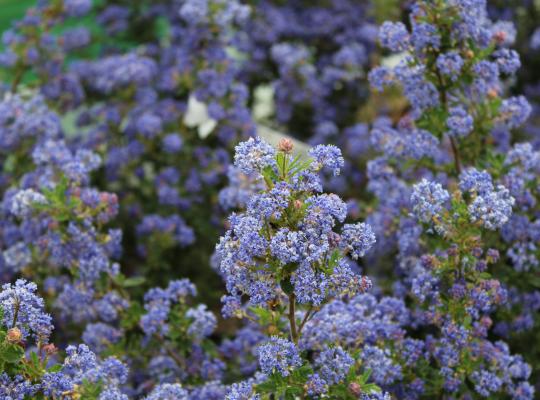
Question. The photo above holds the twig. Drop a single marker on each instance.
(455, 151)
(292, 318)
(17, 80)
(306, 318)
(179, 360)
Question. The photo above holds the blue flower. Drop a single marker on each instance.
(459, 122)
(278, 356)
(254, 155)
(394, 36)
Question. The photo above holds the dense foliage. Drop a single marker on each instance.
(255, 200)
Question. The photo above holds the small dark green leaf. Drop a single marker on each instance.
(12, 353)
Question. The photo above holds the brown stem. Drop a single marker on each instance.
(292, 318)
(16, 313)
(179, 360)
(17, 80)
(455, 151)
(284, 167)
(306, 318)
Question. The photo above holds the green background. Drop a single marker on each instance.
(11, 10)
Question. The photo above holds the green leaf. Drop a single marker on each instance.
(268, 386)
(333, 261)
(287, 286)
(281, 160)
(264, 315)
(34, 358)
(131, 317)
(134, 281)
(90, 391)
(370, 388)
(269, 176)
(292, 392)
(55, 368)
(534, 281)
(301, 374)
(11, 353)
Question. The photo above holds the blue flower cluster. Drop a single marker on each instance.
(81, 370)
(278, 355)
(285, 238)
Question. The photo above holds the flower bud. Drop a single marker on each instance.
(365, 284)
(486, 322)
(285, 145)
(481, 266)
(493, 255)
(355, 388)
(334, 239)
(453, 251)
(492, 93)
(500, 36)
(50, 349)
(477, 252)
(14, 335)
(273, 330)
(53, 224)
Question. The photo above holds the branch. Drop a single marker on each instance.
(179, 360)
(292, 318)
(455, 151)
(17, 80)
(306, 318)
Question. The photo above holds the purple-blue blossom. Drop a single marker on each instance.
(459, 122)
(254, 155)
(450, 64)
(77, 8)
(278, 356)
(203, 321)
(327, 156)
(357, 239)
(394, 36)
(492, 209)
(168, 391)
(515, 111)
(428, 200)
(334, 364)
(24, 309)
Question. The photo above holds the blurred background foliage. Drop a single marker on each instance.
(11, 10)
